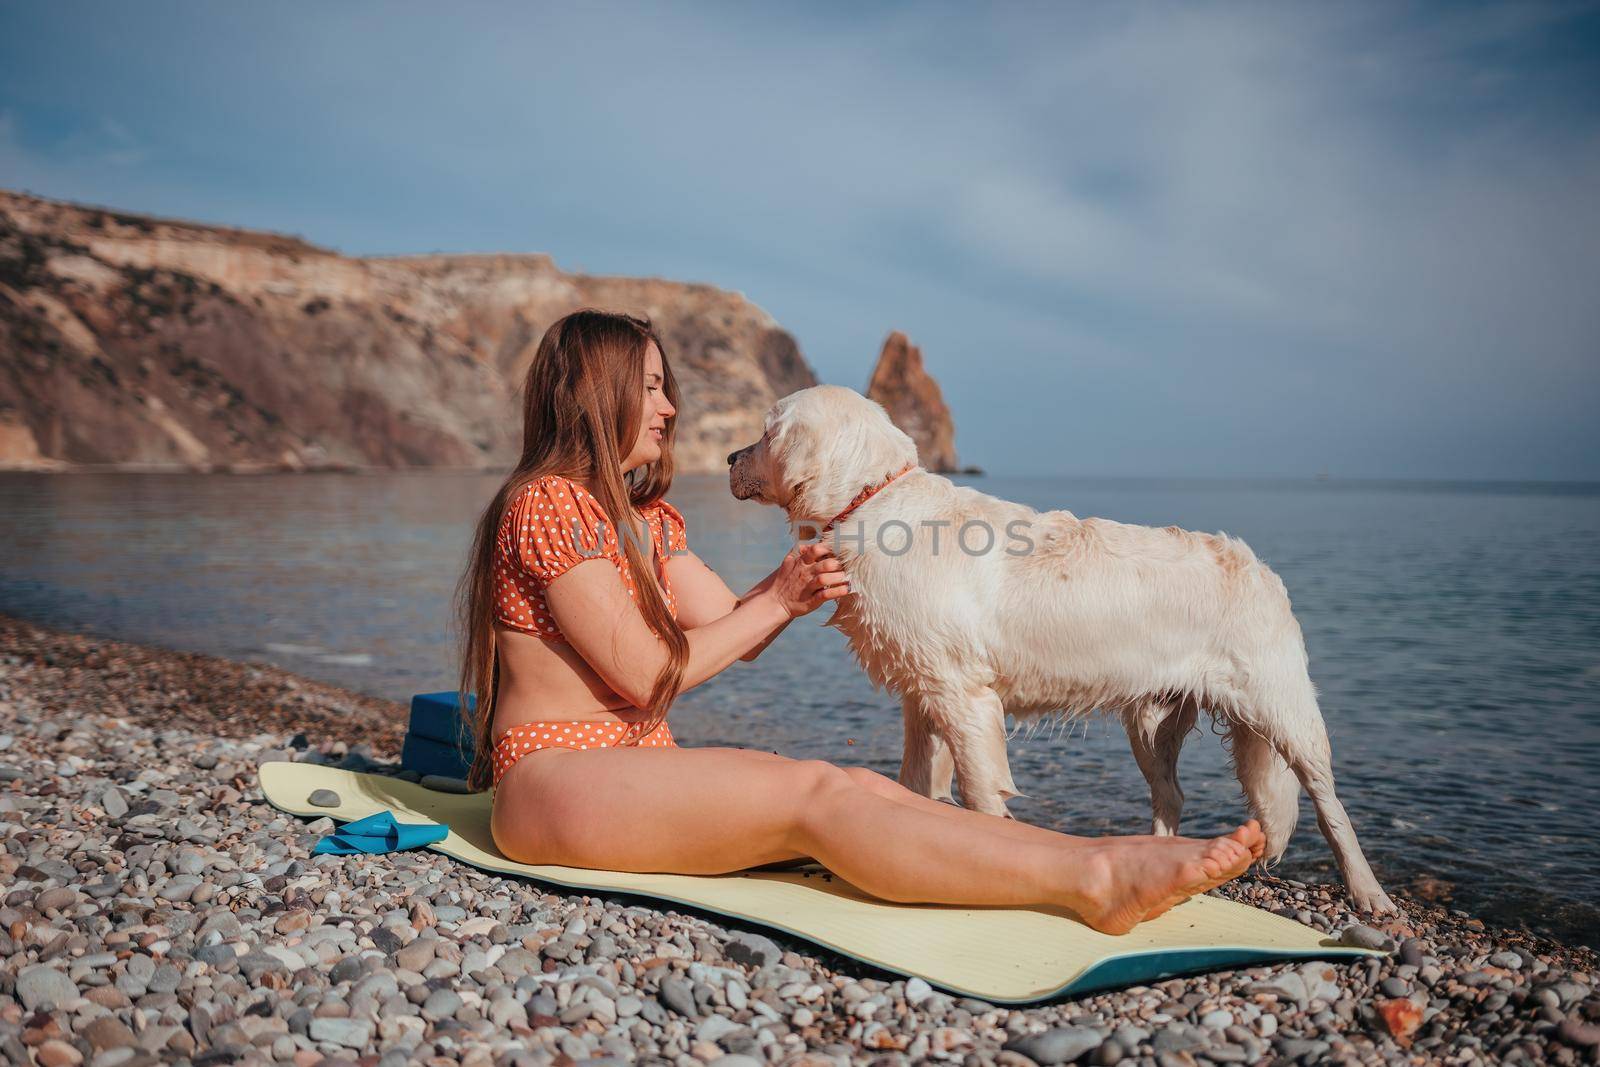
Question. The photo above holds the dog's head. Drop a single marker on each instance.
(821, 446)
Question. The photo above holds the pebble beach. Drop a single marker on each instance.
(156, 909)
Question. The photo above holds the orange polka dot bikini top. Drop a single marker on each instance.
(552, 525)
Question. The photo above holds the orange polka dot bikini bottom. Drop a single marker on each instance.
(519, 740)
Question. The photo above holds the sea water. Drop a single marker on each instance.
(1453, 630)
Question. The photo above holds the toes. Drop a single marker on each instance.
(1249, 835)
(1228, 851)
(1224, 860)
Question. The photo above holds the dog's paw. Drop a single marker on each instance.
(1374, 902)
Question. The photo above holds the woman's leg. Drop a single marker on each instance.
(1015, 829)
(712, 811)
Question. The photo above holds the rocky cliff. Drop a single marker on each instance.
(140, 342)
(908, 392)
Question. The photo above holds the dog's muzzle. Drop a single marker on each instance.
(741, 484)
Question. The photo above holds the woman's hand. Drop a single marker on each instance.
(809, 576)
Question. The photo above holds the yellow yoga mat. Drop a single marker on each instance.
(1000, 954)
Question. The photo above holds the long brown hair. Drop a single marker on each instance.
(580, 416)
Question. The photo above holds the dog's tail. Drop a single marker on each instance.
(1270, 786)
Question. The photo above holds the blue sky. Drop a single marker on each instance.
(1131, 239)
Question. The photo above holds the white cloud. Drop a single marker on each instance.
(1278, 189)
(1313, 214)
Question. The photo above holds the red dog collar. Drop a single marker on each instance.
(865, 495)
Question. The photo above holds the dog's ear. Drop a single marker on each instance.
(832, 442)
(790, 452)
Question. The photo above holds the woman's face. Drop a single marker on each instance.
(655, 410)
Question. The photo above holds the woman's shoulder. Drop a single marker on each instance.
(554, 485)
(557, 493)
(554, 499)
(554, 522)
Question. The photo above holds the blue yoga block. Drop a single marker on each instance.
(434, 739)
(427, 756)
(438, 715)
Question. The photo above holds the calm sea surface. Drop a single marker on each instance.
(1454, 633)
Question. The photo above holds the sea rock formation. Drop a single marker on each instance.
(137, 342)
(913, 400)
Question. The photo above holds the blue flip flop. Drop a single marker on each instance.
(379, 833)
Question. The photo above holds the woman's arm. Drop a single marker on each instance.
(602, 621)
(755, 590)
(703, 597)
(702, 594)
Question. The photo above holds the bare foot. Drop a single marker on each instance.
(1164, 907)
(1249, 835)
(1137, 882)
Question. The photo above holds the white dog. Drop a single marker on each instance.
(972, 608)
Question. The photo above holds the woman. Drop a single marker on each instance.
(585, 614)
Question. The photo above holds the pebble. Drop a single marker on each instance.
(58, 899)
(714, 1028)
(1061, 1045)
(1177, 1038)
(108, 1032)
(752, 950)
(179, 888)
(56, 1053)
(45, 988)
(351, 1033)
(324, 798)
(154, 908)
(417, 955)
(678, 994)
(1359, 936)
(1578, 1034)
(1111, 1051)
(441, 1004)
(1298, 1049)
(113, 803)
